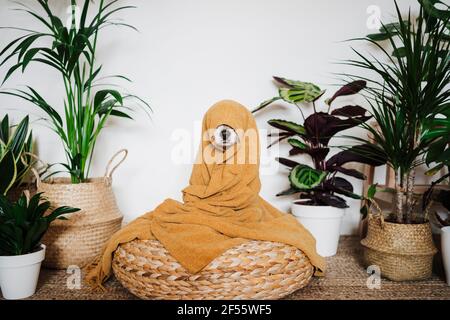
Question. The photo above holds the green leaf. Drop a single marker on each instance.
(287, 126)
(308, 93)
(306, 178)
(9, 172)
(378, 36)
(297, 144)
(266, 104)
(372, 191)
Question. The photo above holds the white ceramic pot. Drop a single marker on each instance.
(445, 248)
(19, 274)
(324, 223)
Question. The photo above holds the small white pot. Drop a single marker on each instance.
(445, 248)
(324, 223)
(19, 274)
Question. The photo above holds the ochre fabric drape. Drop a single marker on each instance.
(221, 207)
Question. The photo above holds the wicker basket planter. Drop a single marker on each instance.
(80, 239)
(253, 270)
(15, 193)
(402, 251)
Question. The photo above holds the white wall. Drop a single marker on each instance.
(187, 56)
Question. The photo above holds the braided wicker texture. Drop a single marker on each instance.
(253, 270)
(80, 239)
(402, 251)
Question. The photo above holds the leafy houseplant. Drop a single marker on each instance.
(407, 94)
(22, 226)
(16, 158)
(72, 53)
(88, 104)
(406, 101)
(320, 187)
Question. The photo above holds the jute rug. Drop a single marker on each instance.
(346, 279)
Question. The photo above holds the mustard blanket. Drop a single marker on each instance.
(221, 207)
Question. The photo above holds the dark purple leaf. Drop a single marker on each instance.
(366, 154)
(331, 200)
(349, 89)
(317, 154)
(282, 81)
(287, 162)
(349, 172)
(288, 192)
(444, 198)
(340, 183)
(321, 127)
(349, 111)
(341, 186)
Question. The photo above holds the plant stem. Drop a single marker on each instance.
(300, 109)
(410, 195)
(399, 195)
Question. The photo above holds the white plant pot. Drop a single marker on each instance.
(19, 274)
(324, 223)
(445, 248)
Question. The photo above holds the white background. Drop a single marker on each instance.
(187, 56)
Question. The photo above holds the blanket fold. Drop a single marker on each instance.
(221, 207)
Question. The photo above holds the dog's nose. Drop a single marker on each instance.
(224, 137)
(225, 134)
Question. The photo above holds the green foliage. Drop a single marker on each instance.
(367, 200)
(24, 223)
(319, 185)
(72, 53)
(410, 93)
(304, 177)
(294, 92)
(15, 154)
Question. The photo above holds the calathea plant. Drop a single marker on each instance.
(24, 223)
(16, 158)
(72, 52)
(320, 184)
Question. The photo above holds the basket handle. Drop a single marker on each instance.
(379, 212)
(109, 172)
(33, 170)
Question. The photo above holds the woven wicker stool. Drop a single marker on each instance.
(253, 270)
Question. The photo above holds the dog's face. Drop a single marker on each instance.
(224, 137)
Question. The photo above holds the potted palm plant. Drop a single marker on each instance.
(320, 187)
(88, 104)
(22, 226)
(406, 93)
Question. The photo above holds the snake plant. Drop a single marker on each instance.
(72, 52)
(15, 153)
(24, 223)
(319, 185)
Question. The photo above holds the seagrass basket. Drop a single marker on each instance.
(253, 270)
(78, 240)
(404, 252)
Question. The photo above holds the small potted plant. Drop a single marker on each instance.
(22, 225)
(321, 188)
(71, 50)
(412, 91)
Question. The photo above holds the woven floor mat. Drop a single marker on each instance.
(346, 279)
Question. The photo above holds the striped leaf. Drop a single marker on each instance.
(287, 126)
(306, 178)
(306, 92)
(297, 144)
